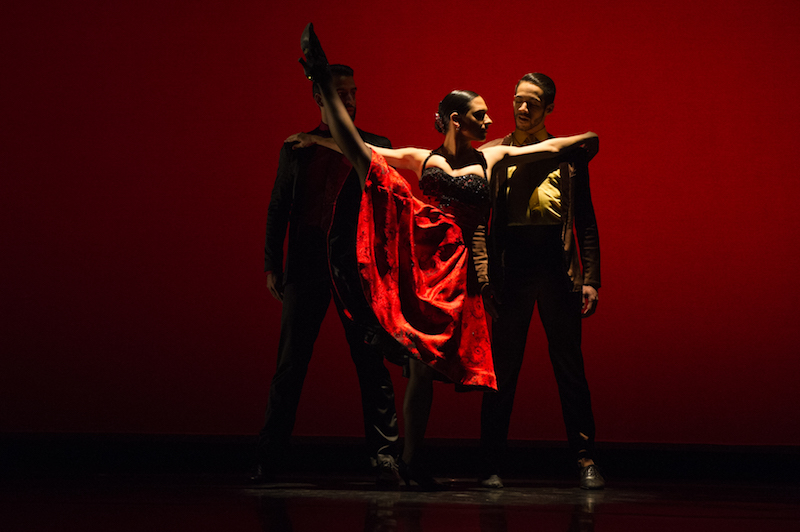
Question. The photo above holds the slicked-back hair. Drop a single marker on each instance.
(542, 81)
(457, 101)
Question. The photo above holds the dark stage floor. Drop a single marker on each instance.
(340, 503)
(88, 484)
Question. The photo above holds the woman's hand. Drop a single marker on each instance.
(591, 144)
(302, 140)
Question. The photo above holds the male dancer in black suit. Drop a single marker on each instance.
(542, 249)
(316, 195)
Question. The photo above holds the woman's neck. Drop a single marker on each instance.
(458, 151)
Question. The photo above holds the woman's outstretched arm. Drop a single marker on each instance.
(405, 158)
(507, 155)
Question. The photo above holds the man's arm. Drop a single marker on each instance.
(588, 238)
(480, 258)
(404, 158)
(280, 207)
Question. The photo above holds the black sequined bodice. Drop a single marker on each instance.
(464, 196)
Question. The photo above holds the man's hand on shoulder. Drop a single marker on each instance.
(301, 140)
(589, 301)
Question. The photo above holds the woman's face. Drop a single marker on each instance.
(476, 122)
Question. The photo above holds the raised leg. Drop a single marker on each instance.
(343, 130)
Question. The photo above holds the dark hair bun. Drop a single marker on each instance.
(455, 102)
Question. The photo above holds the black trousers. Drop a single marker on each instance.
(305, 304)
(535, 274)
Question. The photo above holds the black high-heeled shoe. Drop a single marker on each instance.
(421, 479)
(315, 64)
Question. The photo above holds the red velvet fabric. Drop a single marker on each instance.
(414, 263)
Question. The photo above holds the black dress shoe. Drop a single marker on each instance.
(591, 479)
(493, 482)
(388, 472)
(262, 475)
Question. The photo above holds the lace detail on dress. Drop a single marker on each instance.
(466, 197)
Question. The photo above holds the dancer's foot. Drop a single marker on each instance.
(492, 482)
(388, 473)
(415, 477)
(315, 64)
(590, 477)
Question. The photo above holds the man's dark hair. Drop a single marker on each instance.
(542, 81)
(336, 70)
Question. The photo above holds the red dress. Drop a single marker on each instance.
(416, 268)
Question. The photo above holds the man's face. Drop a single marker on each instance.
(529, 111)
(346, 89)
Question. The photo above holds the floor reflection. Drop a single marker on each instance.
(200, 503)
(300, 511)
(684, 508)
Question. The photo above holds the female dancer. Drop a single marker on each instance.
(414, 258)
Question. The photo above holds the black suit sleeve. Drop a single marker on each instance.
(280, 208)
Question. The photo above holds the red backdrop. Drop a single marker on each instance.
(140, 142)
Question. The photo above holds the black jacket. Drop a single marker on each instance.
(307, 247)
